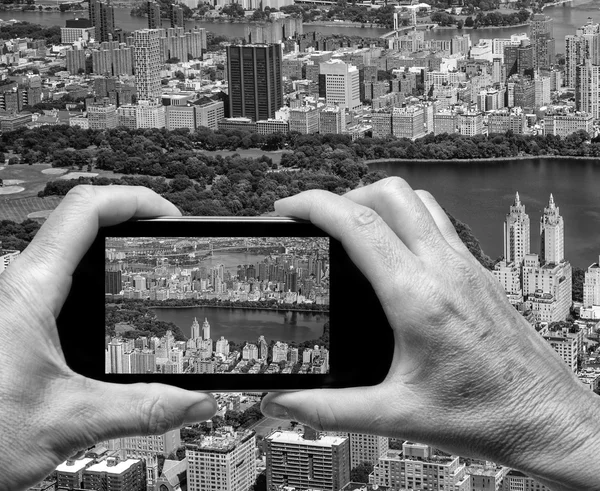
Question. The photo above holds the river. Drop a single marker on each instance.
(480, 195)
(567, 17)
(239, 325)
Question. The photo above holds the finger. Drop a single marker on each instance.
(357, 409)
(442, 222)
(49, 261)
(369, 242)
(96, 411)
(402, 209)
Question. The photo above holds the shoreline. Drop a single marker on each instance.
(481, 160)
(240, 308)
(556, 4)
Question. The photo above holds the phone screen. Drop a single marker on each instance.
(217, 305)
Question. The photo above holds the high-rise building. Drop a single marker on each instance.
(304, 119)
(146, 46)
(102, 17)
(516, 233)
(153, 15)
(517, 481)
(69, 474)
(542, 40)
(75, 61)
(176, 15)
(552, 235)
(584, 45)
(77, 29)
(587, 88)
(102, 115)
(223, 461)
(420, 466)
(563, 121)
(366, 448)
(112, 282)
(519, 59)
(309, 461)
(205, 329)
(195, 329)
(340, 83)
(255, 80)
(332, 120)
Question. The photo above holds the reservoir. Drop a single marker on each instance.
(239, 325)
(480, 194)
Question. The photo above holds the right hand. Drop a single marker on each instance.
(469, 376)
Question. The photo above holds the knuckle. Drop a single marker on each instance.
(83, 192)
(364, 217)
(394, 185)
(425, 195)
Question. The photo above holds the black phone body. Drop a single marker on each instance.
(279, 279)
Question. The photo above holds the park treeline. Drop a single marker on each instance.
(142, 318)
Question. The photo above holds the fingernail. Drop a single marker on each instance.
(201, 411)
(277, 411)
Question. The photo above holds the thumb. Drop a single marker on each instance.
(99, 411)
(356, 409)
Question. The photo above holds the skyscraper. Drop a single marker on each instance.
(366, 448)
(310, 461)
(112, 282)
(146, 56)
(340, 82)
(519, 59)
(587, 88)
(102, 17)
(255, 80)
(176, 15)
(153, 15)
(542, 40)
(195, 329)
(552, 235)
(205, 329)
(516, 233)
(584, 45)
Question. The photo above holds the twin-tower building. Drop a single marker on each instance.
(539, 283)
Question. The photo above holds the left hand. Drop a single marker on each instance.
(47, 412)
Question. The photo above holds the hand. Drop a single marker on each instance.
(47, 412)
(469, 376)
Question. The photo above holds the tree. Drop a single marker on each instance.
(469, 22)
(460, 24)
(361, 472)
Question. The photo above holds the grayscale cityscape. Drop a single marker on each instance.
(225, 106)
(285, 278)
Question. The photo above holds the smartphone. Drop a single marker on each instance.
(224, 304)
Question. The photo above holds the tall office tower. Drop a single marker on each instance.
(102, 17)
(552, 235)
(309, 461)
(541, 33)
(340, 83)
(519, 59)
(112, 282)
(127, 475)
(146, 56)
(255, 80)
(516, 233)
(584, 45)
(420, 466)
(195, 329)
(223, 461)
(587, 88)
(205, 329)
(75, 61)
(591, 286)
(153, 15)
(115, 352)
(149, 448)
(263, 348)
(366, 448)
(176, 15)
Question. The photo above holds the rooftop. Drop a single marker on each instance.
(73, 466)
(113, 469)
(295, 437)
